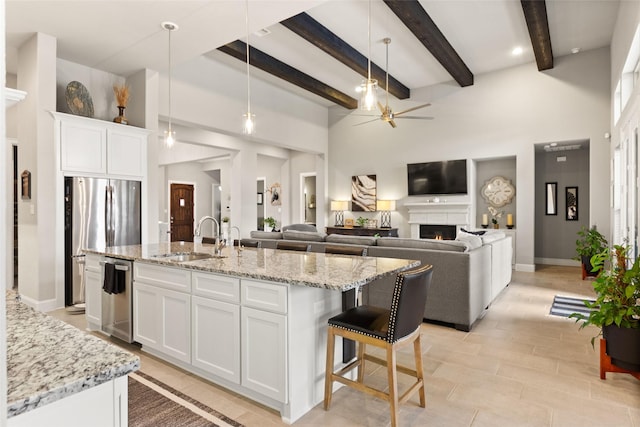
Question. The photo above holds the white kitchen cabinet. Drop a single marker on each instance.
(216, 337)
(98, 147)
(264, 355)
(162, 309)
(93, 280)
(83, 147)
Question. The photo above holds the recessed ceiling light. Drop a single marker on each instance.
(517, 51)
(575, 50)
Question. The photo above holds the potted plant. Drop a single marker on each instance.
(361, 221)
(269, 223)
(590, 243)
(616, 310)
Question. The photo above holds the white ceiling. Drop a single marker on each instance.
(125, 36)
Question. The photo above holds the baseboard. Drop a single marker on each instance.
(527, 268)
(43, 306)
(558, 261)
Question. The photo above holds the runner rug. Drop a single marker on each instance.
(153, 403)
(565, 306)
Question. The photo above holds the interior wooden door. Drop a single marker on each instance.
(182, 212)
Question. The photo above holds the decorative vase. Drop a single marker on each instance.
(496, 225)
(121, 118)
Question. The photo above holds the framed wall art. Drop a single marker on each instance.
(363, 193)
(571, 195)
(551, 198)
(26, 185)
(260, 198)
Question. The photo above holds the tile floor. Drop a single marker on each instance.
(519, 366)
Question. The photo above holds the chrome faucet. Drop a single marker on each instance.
(197, 235)
(239, 237)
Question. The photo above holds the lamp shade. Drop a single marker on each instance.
(385, 205)
(339, 205)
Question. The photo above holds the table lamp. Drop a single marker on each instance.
(339, 206)
(385, 207)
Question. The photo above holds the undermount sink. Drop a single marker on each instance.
(186, 256)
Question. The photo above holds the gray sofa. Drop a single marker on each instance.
(468, 273)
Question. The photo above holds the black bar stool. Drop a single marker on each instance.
(389, 329)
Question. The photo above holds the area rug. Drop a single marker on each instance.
(153, 403)
(565, 306)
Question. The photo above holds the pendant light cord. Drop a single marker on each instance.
(248, 76)
(369, 48)
(170, 31)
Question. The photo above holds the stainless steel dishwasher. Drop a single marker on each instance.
(116, 307)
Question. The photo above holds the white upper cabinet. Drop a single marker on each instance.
(98, 147)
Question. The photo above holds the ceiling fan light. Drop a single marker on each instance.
(369, 95)
(249, 124)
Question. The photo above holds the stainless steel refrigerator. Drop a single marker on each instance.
(98, 213)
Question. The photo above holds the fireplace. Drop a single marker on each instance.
(438, 231)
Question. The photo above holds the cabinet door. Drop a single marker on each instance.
(126, 152)
(83, 148)
(93, 291)
(175, 324)
(216, 337)
(146, 320)
(264, 356)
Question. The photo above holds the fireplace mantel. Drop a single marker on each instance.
(445, 213)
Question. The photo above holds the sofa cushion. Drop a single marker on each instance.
(473, 240)
(310, 236)
(300, 227)
(352, 240)
(273, 235)
(442, 245)
(492, 236)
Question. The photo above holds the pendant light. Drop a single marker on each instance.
(249, 123)
(169, 134)
(369, 87)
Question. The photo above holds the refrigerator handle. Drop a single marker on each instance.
(108, 213)
(112, 225)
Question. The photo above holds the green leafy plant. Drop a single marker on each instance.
(270, 221)
(361, 221)
(590, 243)
(617, 291)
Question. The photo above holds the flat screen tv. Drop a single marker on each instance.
(446, 177)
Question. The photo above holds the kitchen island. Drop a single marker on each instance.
(60, 376)
(252, 321)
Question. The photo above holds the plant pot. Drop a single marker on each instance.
(586, 262)
(623, 346)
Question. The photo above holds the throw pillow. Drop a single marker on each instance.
(477, 233)
(472, 240)
(309, 236)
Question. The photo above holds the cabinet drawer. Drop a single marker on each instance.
(177, 279)
(264, 295)
(222, 288)
(92, 263)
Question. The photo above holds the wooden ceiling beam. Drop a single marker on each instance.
(418, 21)
(271, 65)
(321, 37)
(535, 13)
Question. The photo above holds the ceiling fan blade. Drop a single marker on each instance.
(368, 121)
(411, 109)
(415, 117)
(381, 107)
(392, 123)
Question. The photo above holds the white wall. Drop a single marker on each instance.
(503, 114)
(3, 235)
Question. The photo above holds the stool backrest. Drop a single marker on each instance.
(345, 250)
(293, 246)
(409, 299)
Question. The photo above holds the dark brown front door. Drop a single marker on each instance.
(181, 212)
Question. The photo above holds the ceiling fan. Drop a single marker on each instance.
(387, 113)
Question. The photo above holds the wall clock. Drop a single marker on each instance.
(498, 191)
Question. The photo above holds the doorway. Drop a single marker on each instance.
(308, 198)
(181, 211)
(261, 204)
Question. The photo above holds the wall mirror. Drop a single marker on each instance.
(551, 198)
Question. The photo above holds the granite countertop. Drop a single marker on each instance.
(329, 271)
(48, 359)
